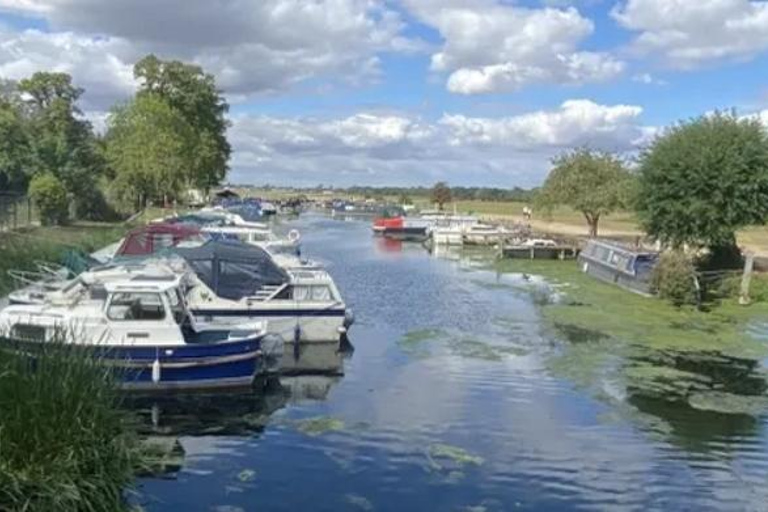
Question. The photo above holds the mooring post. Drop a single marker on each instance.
(749, 263)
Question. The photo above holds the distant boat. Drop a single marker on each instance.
(614, 263)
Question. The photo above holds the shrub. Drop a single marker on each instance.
(50, 197)
(65, 444)
(674, 279)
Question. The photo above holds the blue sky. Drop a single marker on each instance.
(475, 92)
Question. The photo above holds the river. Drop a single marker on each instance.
(449, 402)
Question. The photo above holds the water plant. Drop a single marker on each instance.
(65, 445)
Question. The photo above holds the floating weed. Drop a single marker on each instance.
(319, 425)
(360, 502)
(728, 403)
(246, 475)
(448, 457)
(478, 350)
(454, 477)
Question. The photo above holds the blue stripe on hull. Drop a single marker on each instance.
(198, 366)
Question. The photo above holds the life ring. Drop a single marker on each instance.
(294, 235)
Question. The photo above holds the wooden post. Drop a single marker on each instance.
(749, 263)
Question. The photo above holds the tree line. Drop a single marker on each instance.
(171, 136)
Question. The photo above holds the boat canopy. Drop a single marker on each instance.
(152, 238)
(232, 269)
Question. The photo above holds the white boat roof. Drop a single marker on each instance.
(143, 283)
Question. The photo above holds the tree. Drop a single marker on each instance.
(14, 149)
(441, 194)
(149, 146)
(50, 197)
(593, 183)
(192, 92)
(60, 142)
(704, 179)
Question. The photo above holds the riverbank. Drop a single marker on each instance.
(648, 348)
(65, 444)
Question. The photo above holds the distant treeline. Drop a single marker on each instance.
(457, 193)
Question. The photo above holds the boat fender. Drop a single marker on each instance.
(349, 318)
(296, 342)
(156, 371)
(294, 235)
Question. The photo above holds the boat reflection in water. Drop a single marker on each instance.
(163, 420)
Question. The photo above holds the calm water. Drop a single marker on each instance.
(449, 402)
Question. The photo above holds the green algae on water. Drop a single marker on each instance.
(359, 502)
(446, 456)
(319, 425)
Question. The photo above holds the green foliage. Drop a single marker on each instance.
(704, 179)
(50, 197)
(591, 182)
(149, 146)
(674, 279)
(441, 194)
(64, 443)
(60, 143)
(14, 148)
(192, 93)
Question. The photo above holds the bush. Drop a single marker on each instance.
(674, 279)
(50, 197)
(65, 444)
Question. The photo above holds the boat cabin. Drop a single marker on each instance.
(615, 263)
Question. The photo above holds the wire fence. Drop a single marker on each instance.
(16, 211)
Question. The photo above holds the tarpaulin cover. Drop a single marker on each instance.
(152, 238)
(231, 269)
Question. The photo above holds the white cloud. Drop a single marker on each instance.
(252, 46)
(98, 65)
(493, 47)
(388, 148)
(687, 34)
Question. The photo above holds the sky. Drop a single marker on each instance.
(410, 92)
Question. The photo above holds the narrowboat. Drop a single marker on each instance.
(614, 263)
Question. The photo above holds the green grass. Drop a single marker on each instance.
(64, 443)
(20, 250)
(597, 306)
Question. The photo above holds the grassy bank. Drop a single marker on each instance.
(21, 250)
(64, 443)
(615, 339)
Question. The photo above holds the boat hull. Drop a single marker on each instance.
(162, 368)
(315, 325)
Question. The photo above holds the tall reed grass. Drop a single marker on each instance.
(65, 444)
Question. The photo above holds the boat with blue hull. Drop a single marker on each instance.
(139, 327)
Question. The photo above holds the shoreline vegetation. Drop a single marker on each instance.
(614, 339)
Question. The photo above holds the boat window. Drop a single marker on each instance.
(136, 306)
(177, 306)
(321, 293)
(301, 293)
(161, 241)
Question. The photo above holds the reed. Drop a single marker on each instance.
(65, 444)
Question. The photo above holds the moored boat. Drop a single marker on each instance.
(139, 326)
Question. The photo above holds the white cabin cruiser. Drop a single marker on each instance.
(235, 281)
(139, 325)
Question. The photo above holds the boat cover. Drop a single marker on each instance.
(152, 238)
(232, 269)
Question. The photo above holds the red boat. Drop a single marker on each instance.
(154, 237)
(381, 224)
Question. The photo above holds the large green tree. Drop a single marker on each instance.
(593, 183)
(702, 180)
(149, 147)
(61, 142)
(14, 149)
(193, 93)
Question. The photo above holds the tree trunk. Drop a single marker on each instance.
(592, 220)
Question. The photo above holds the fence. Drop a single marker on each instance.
(16, 211)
